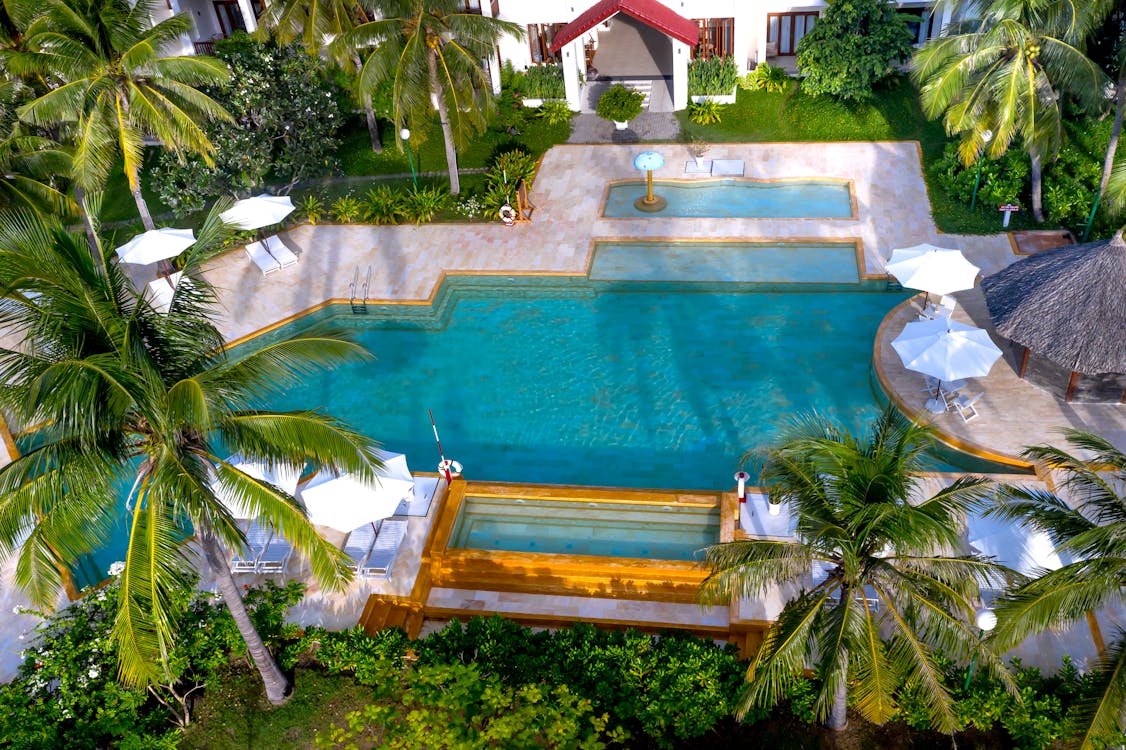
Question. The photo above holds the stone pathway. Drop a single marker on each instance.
(648, 126)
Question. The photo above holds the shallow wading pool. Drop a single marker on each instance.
(736, 199)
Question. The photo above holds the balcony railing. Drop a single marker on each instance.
(204, 48)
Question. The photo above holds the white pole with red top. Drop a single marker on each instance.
(741, 477)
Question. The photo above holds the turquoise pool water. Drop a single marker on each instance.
(734, 199)
(585, 528)
(777, 263)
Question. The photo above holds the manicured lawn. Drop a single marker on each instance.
(894, 115)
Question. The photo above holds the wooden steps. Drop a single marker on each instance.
(391, 612)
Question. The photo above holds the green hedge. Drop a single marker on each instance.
(715, 76)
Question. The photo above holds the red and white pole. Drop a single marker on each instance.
(444, 466)
(741, 477)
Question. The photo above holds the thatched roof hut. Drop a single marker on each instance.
(1067, 305)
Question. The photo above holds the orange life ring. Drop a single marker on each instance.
(507, 214)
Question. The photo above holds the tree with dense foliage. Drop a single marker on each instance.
(286, 115)
(29, 163)
(126, 395)
(1007, 72)
(854, 45)
(432, 49)
(110, 87)
(888, 599)
(1091, 530)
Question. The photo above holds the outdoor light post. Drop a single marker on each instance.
(986, 137)
(405, 134)
(648, 161)
(986, 620)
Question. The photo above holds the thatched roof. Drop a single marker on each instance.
(1067, 304)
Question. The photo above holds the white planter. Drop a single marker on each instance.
(539, 102)
(718, 99)
(621, 125)
(699, 162)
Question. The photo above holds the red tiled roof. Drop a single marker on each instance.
(649, 12)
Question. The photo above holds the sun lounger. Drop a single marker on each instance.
(385, 549)
(282, 254)
(965, 406)
(944, 308)
(246, 559)
(275, 557)
(261, 257)
(161, 291)
(358, 545)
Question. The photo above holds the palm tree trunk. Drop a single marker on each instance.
(143, 208)
(444, 118)
(91, 230)
(369, 114)
(1037, 186)
(838, 713)
(1116, 130)
(277, 686)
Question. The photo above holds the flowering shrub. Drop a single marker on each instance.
(286, 111)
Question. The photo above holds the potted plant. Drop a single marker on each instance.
(697, 148)
(619, 105)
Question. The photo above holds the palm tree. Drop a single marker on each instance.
(431, 49)
(893, 596)
(318, 24)
(1007, 72)
(26, 164)
(1092, 530)
(110, 87)
(127, 395)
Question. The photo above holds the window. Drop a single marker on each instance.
(717, 38)
(539, 40)
(786, 29)
(230, 15)
(921, 22)
(471, 6)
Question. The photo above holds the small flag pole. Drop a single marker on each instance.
(444, 465)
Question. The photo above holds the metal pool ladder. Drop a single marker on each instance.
(354, 301)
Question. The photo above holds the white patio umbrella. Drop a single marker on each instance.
(931, 269)
(344, 503)
(156, 245)
(282, 476)
(1024, 550)
(946, 349)
(259, 211)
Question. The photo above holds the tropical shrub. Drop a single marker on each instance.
(504, 177)
(705, 112)
(853, 47)
(286, 118)
(556, 112)
(347, 209)
(765, 77)
(544, 82)
(511, 115)
(310, 207)
(714, 76)
(1003, 180)
(1070, 185)
(619, 103)
(382, 205)
(424, 204)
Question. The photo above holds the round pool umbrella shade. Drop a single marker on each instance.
(259, 211)
(156, 245)
(344, 503)
(932, 269)
(648, 160)
(946, 349)
(1065, 304)
(282, 476)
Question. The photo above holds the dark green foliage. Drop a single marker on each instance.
(504, 177)
(555, 112)
(714, 76)
(424, 203)
(1003, 180)
(619, 103)
(852, 48)
(382, 205)
(544, 82)
(286, 111)
(765, 77)
(353, 651)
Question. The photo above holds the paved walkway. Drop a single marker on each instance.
(648, 126)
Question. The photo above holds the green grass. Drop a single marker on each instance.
(235, 715)
(895, 115)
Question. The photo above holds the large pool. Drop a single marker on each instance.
(733, 199)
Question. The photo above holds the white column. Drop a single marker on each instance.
(680, 55)
(945, 17)
(572, 58)
(745, 43)
(761, 27)
(248, 18)
(186, 46)
(494, 70)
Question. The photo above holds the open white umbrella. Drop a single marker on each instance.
(344, 503)
(259, 211)
(156, 245)
(946, 349)
(931, 269)
(282, 476)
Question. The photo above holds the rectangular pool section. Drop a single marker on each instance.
(774, 262)
(574, 527)
(735, 199)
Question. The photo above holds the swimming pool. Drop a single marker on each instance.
(732, 199)
(602, 529)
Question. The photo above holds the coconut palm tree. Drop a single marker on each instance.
(1091, 528)
(431, 50)
(26, 164)
(316, 25)
(887, 594)
(129, 396)
(110, 87)
(1007, 72)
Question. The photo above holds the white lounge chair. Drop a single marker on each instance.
(385, 549)
(282, 254)
(944, 308)
(246, 559)
(965, 406)
(358, 545)
(261, 257)
(275, 557)
(162, 289)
